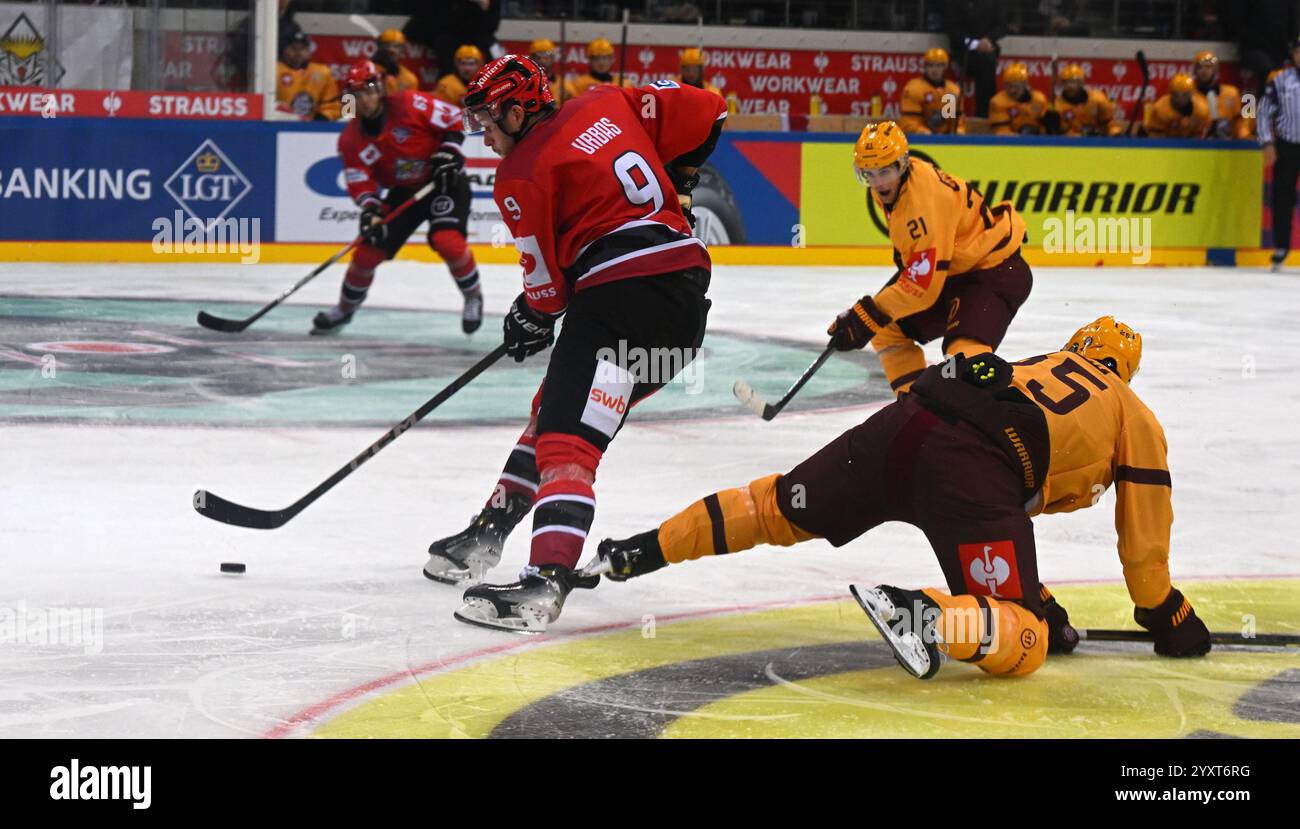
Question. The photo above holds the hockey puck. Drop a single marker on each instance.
(232, 567)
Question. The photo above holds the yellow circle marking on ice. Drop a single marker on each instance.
(1100, 691)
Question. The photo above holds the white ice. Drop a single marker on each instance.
(100, 517)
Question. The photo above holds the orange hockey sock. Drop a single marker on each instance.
(728, 522)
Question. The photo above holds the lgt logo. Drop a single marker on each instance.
(208, 184)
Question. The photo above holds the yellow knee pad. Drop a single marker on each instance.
(901, 358)
(727, 522)
(1000, 637)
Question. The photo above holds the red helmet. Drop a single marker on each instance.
(362, 74)
(508, 80)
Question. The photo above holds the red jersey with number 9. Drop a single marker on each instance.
(587, 196)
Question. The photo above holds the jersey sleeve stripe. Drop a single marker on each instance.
(1143, 475)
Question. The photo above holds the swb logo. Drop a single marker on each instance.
(207, 185)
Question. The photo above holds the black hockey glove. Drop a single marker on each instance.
(854, 328)
(373, 231)
(685, 186)
(633, 556)
(446, 165)
(1061, 635)
(1177, 629)
(527, 331)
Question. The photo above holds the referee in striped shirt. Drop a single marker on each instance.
(1279, 133)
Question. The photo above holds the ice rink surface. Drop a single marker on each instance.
(333, 631)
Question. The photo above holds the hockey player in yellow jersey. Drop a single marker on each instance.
(305, 88)
(960, 274)
(931, 103)
(1182, 112)
(1223, 100)
(390, 48)
(691, 70)
(1017, 109)
(1084, 111)
(978, 448)
(547, 56)
(600, 65)
(453, 86)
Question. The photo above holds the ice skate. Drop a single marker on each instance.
(525, 606)
(471, 316)
(330, 321)
(464, 558)
(895, 613)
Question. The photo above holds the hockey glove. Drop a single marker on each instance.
(854, 328)
(1061, 635)
(373, 231)
(633, 556)
(1177, 629)
(527, 331)
(685, 186)
(446, 165)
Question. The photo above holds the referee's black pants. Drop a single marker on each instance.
(1285, 172)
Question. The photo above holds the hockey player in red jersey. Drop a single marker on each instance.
(401, 142)
(597, 197)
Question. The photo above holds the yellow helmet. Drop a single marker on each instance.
(1015, 73)
(1110, 343)
(693, 57)
(541, 45)
(391, 36)
(600, 47)
(1072, 72)
(878, 146)
(1206, 57)
(1182, 83)
(936, 55)
(468, 51)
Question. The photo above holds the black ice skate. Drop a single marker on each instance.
(631, 557)
(329, 322)
(471, 316)
(464, 558)
(906, 620)
(524, 606)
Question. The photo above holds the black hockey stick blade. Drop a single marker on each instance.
(1266, 640)
(222, 324)
(228, 512)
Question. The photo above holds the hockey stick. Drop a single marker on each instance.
(1142, 93)
(622, 54)
(1270, 640)
(235, 326)
(228, 512)
(753, 401)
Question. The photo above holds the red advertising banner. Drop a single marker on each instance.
(792, 81)
(99, 103)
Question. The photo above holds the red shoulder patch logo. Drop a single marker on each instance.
(918, 272)
(989, 569)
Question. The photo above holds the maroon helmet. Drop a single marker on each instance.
(362, 74)
(508, 80)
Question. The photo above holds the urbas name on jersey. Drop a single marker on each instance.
(414, 125)
(587, 196)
